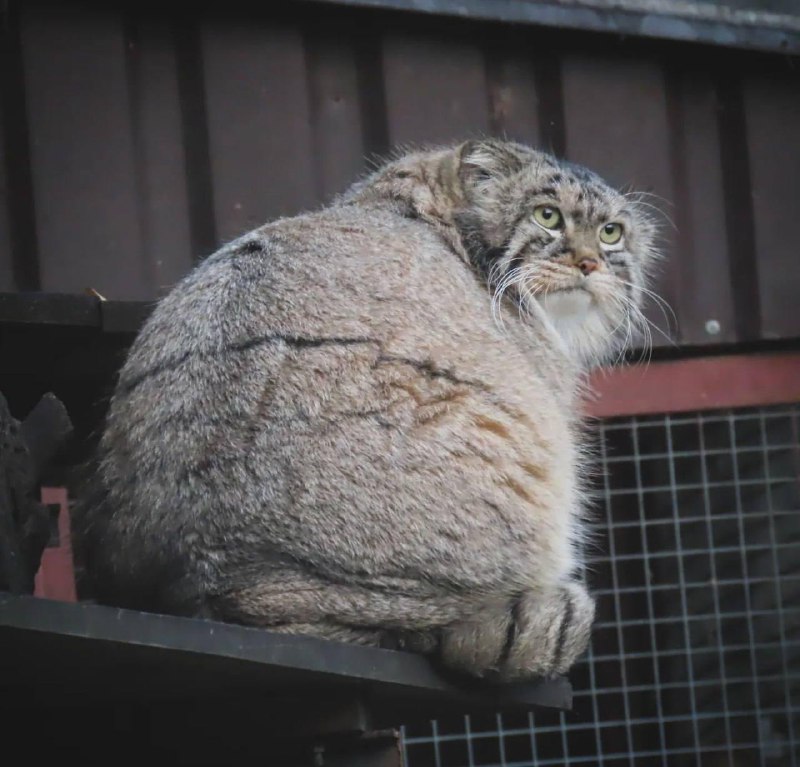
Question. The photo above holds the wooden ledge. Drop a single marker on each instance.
(57, 654)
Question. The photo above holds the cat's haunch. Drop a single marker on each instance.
(363, 423)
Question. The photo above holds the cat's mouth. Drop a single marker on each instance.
(578, 290)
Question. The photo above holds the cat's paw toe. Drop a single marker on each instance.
(550, 632)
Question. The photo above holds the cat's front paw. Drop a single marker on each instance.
(533, 635)
(549, 632)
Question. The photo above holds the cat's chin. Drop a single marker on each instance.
(579, 321)
(567, 305)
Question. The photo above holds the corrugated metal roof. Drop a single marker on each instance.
(772, 25)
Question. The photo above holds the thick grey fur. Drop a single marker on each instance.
(364, 423)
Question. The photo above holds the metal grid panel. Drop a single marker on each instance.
(695, 656)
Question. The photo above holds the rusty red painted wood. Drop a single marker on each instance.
(56, 576)
(696, 384)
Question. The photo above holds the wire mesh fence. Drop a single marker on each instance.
(695, 655)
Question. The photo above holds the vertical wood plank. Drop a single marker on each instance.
(160, 154)
(772, 113)
(335, 114)
(436, 90)
(7, 281)
(513, 100)
(616, 124)
(19, 263)
(258, 123)
(701, 256)
(82, 152)
(524, 82)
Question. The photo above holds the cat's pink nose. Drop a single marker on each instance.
(588, 265)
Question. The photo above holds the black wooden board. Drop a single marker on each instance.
(59, 655)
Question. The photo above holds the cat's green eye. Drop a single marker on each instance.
(611, 234)
(547, 216)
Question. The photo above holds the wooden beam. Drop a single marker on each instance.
(696, 384)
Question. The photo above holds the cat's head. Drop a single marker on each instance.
(560, 242)
(553, 241)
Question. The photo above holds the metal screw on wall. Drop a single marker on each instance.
(713, 327)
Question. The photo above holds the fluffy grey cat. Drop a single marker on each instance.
(364, 423)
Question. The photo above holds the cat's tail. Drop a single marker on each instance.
(112, 569)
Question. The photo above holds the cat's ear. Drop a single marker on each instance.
(486, 159)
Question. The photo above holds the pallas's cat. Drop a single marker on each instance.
(363, 423)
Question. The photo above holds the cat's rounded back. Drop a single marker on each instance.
(210, 425)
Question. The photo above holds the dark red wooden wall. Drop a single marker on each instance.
(135, 140)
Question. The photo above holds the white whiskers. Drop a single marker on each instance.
(606, 334)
